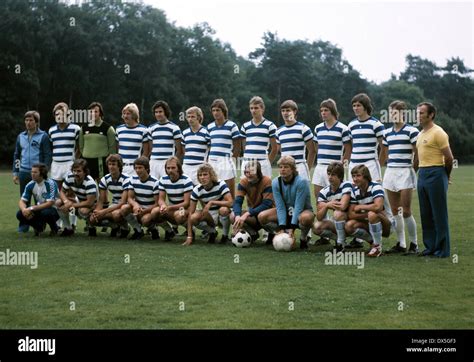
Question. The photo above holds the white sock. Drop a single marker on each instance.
(411, 227)
(388, 209)
(376, 232)
(400, 229)
(73, 219)
(225, 222)
(65, 219)
(341, 232)
(132, 220)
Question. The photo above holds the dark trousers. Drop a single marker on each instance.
(40, 219)
(432, 194)
(24, 177)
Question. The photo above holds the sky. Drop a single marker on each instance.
(375, 37)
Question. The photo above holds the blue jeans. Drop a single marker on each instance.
(40, 219)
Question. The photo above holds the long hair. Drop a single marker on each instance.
(205, 167)
(363, 99)
(43, 169)
(164, 105)
(142, 161)
(337, 169)
(80, 162)
(97, 104)
(197, 111)
(288, 161)
(133, 108)
(331, 105)
(255, 165)
(220, 103)
(115, 158)
(363, 170)
(178, 164)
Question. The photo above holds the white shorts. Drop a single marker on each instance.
(129, 170)
(399, 178)
(266, 167)
(374, 169)
(224, 167)
(157, 168)
(59, 170)
(191, 172)
(320, 176)
(303, 170)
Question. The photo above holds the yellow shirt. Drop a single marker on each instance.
(429, 145)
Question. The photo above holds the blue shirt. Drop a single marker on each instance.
(29, 151)
(42, 192)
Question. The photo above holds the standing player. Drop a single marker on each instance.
(78, 195)
(225, 144)
(336, 197)
(177, 187)
(257, 134)
(97, 141)
(216, 199)
(366, 212)
(64, 137)
(400, 180)
(117, 183)
(196, 141)
(166, 139)
(257, 189)
(294, 137)
(133, 138)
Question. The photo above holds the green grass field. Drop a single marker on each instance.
(86, 282)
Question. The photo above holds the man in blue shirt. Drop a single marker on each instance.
(45, 192)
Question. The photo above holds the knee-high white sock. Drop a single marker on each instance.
(132, 220)
(376, 232)
(225, 222)
(411, 227)
(65, 219)
(388, 209)
(341, 232)
(400, 229)
(73, 219)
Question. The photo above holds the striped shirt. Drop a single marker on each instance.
(196, 146)
(221, 139)
(257, 138)
(164, 137)
(400, 145)
(330, 142)
(63, 142)
(293, 140)
(217, 192)
(175, 190)
(88, 187)
(116, 187)
(145, 191)
(374, 190)
(327, 195)
(44, 191)
(364, 139)
(130, 141)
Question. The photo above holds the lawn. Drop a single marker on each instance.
(84, 282)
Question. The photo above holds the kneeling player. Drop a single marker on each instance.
(117, 183)
(178, 188)
(79, 193)
(216, 199)
(366, 212)
(336, 197)
(258, 191)
(142, 198)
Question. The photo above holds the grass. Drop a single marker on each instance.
(83, 282)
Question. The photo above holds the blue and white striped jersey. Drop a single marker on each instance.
(196, 146)
(217, 192)
(130, 141)
(86, 188)
(373, 191)
(331, 142)
(400, 145)
(116, 187)
(257, 138)
(47, 190)
(175, 190)
(364, 139)
(326, 194)
(293, 140)
(164, 137)
(145, 191)
(63, 142)
(221, 139)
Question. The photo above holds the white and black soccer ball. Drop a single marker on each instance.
(242, 239)
(282, 242)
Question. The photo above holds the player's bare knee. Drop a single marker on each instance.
(224, 211)
(373, 217)
(340, 215)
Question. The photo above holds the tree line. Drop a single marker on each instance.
(118, 53)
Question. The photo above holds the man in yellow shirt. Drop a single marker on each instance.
(435, 162)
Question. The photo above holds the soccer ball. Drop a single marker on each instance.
(242, 239)
(282, 242)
